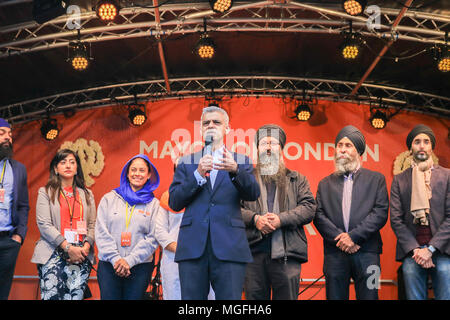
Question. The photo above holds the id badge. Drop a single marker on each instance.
(125, 239)
(70, 235)
(81, 227)
(2, 195)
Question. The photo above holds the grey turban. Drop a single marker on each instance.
(355, 136)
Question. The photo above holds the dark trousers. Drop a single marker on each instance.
(339, 267)
(225, 277)
(9, 250)
(264, 275)
(113, 287)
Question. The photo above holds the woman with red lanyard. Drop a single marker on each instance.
(65, 215)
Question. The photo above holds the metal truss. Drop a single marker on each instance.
(220, 87)
(255, 16)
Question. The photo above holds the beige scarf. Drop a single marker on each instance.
(421, 191)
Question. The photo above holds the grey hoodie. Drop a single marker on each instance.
(111, 223)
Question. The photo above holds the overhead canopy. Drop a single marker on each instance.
(283, 48)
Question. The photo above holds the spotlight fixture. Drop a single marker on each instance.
(379, 120)
(221, 6)
(444, 61)
(351, 47)
(303, 112)
(107, 10)
(442, 55)
(354, 7)
(137, 115)
(78, 55)
(49, 129)
(205, 47)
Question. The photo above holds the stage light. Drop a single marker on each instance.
(303, 112)
(354, 7)
(379, 120)
(444, 61)
(49, 129)
(78, 55)
(205, 47)
(351, 47)
(137, 115)
(221, 6)
(107, 10)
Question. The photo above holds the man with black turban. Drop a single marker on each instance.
(420, 218)
(352, 207)
(274, 222)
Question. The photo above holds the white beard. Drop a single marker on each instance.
(269, 164)
(345, 165)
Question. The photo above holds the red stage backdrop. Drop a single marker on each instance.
(109, 141)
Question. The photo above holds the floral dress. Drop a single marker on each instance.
(60, 280)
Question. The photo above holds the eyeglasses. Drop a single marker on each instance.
(272, 143)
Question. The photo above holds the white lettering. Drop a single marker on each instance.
(326, 151)
(144, 148)
(373, 282)
(315, 153)
(292, 157)
(73, 17)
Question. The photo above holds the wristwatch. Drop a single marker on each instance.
(66, 248)
(432, 249)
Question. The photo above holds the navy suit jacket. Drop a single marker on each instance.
(20, 205)
(368, 212)
(215, 211)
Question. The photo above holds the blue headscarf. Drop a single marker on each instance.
(144, 195)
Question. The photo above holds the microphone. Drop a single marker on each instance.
(208, 148)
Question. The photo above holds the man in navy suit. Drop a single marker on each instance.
(212, 243)
(13, 209)
(352, 207)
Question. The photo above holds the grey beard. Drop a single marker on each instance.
(268, 164)
(343, 166)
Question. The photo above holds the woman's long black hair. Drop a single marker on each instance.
(53, 186)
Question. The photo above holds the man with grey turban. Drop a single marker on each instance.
(274, 223)
(352, 207)
(420, 218)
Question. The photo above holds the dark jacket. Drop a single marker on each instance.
(212, 211)
(402, 219)
(20, 206)
(299, 207)
(368, 212)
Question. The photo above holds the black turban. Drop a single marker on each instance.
(420, 128)
(355, 136)
(271, 130)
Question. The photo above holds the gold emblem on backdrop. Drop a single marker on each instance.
(403, 161)
(91, 157)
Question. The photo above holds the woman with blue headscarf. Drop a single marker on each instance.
(124, 232)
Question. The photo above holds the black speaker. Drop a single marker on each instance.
(46, 10)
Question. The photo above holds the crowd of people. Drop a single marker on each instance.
(227, 227)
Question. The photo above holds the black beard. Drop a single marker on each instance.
(420, 157)
(6, 150)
